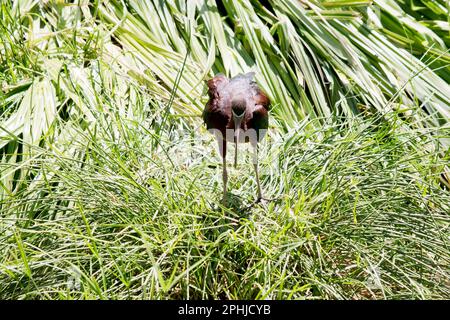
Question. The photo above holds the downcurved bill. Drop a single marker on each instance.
(237, 119)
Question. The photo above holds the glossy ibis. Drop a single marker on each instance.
(237, 111)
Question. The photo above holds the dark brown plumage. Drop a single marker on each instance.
(236, 103)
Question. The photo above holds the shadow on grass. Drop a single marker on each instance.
(231, 216)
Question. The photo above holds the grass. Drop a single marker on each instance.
(110, 186)
(359, 215)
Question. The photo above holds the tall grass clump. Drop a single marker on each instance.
(110, 186)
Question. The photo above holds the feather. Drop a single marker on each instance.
(222, 91)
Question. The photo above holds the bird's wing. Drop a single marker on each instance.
(216, 85)
(259, 97)
(214, 114)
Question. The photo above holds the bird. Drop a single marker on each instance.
(237, 112)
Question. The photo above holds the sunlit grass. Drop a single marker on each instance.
(356, 215)
(110, 186)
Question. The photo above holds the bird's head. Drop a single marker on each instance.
(238, 106)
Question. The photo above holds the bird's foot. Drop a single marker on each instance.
(258, 200)
(262, 199)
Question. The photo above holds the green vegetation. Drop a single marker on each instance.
(110, 186)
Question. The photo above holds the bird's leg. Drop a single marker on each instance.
(225, 181)
(223, 153)
(255, 165)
